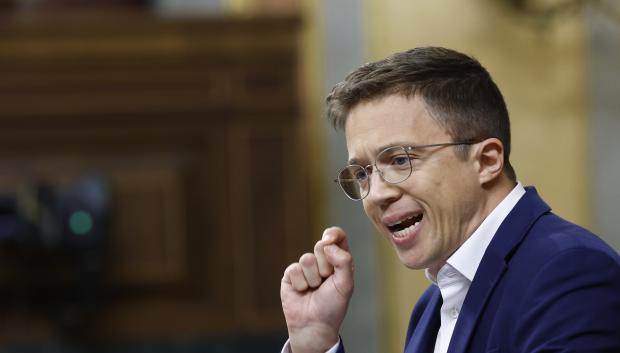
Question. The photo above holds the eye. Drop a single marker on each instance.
(360, 175)
(401, 160)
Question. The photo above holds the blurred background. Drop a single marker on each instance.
(162, 161)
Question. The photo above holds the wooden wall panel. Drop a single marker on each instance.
(150, 240)
(194, 124)
(259, 175)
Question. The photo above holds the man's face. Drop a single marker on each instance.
(429, 215)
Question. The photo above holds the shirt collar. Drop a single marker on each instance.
(468, 256)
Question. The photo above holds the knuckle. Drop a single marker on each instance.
(289, 268)
(294, 270)
(307, 259)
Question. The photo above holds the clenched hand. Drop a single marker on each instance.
(315, 293)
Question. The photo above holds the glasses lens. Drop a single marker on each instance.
(353, 180)
(394, 164)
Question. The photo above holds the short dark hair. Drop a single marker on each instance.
(458, 91)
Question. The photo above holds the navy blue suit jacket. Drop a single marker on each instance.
(543, 285)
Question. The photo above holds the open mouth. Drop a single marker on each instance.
(402, 227)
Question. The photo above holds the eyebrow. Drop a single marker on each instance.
(352, 161)
(383, 147)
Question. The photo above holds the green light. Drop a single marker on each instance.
(80, 222)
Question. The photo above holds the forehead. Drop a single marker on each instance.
(388, 121)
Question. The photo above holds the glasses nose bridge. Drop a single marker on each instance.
(374, 167)
(381, 178)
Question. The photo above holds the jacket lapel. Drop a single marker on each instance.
(494, 263)
(425, 332)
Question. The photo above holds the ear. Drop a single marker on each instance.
(490, 158)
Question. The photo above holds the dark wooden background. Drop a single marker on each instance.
(195, 124)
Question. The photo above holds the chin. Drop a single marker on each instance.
(413, 264)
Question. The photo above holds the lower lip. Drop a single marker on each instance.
(409, 236)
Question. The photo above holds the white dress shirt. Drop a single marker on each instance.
(287, 348)
(455, 277)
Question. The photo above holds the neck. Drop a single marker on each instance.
(496, 191)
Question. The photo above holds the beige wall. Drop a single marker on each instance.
(542, 75)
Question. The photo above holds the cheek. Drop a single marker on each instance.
(372, 213)
(442, 200)
(449, 184)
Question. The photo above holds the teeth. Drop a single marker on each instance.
(404, 232)
(399, 222)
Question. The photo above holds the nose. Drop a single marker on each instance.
(382, 192)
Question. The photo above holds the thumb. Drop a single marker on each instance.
(343, 268)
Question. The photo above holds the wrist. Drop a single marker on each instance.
(308, 342)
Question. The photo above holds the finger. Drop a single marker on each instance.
(325, 268)
(331, 235)
(310, 268)
(295, 276)
(336, 235)
(343, 268)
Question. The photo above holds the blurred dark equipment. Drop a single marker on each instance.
(52, 240)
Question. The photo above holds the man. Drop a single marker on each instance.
(428, 137)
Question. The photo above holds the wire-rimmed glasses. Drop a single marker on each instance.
(394, 165)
